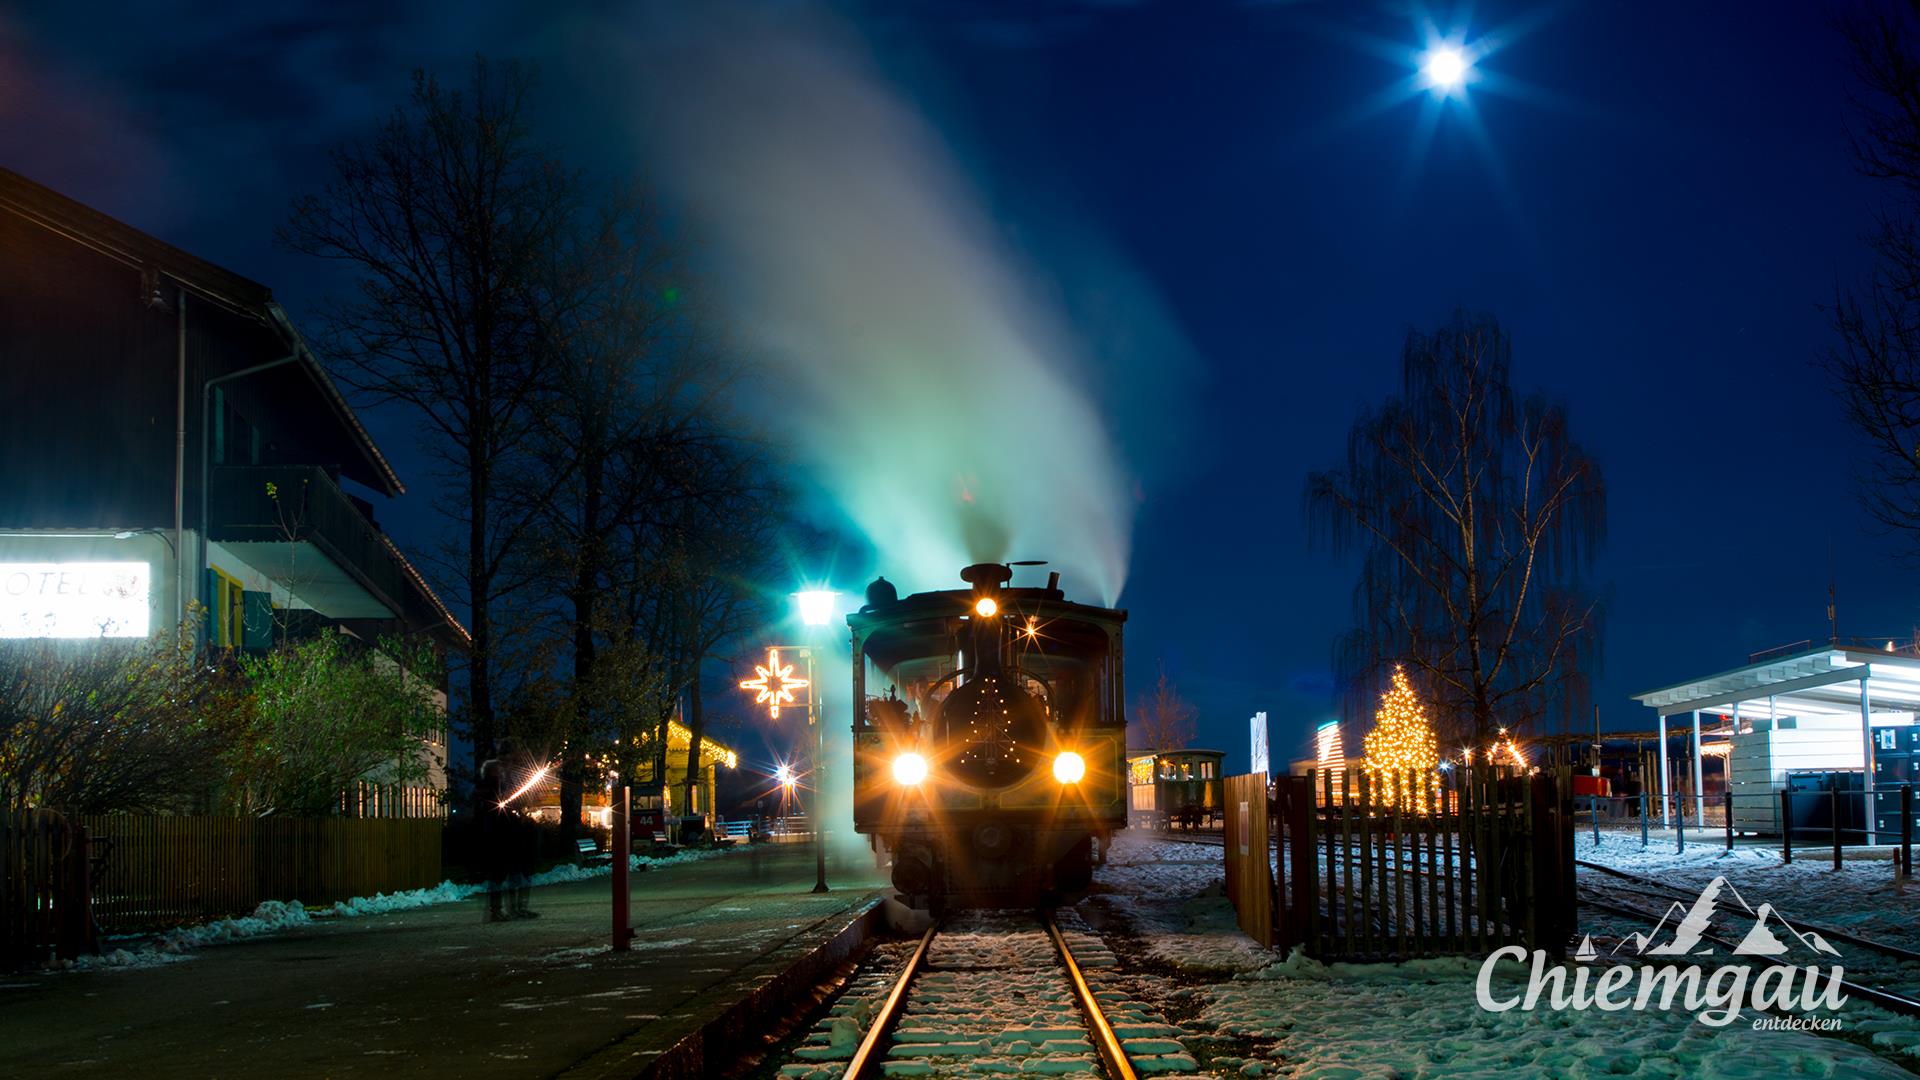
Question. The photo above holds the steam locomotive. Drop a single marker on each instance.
(990, 741)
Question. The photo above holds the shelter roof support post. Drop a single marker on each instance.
(1866, 756)
(1699, 793)
(1666, 782)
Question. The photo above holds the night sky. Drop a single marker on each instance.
(1655, 201)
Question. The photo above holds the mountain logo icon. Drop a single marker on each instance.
(1770, 936)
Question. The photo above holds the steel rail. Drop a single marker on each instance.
(867, 1058)
(1664, 891)
(1105, 1043)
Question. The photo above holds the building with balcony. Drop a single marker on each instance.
(167, 438)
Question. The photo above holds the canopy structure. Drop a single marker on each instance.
(1829, 682)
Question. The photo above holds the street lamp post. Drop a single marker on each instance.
(775, 684)
(816, 610)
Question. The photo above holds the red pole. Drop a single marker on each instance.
(622, 842)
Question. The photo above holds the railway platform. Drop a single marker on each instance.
(433, 991)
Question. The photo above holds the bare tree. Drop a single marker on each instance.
(1162, 719)
(447, 218)
(1475, 515)
(1876, 362)
(731, 554)
(635, 377)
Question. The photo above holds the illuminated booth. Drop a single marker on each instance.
(169, 440)
(1833, 725)
(1172, 787)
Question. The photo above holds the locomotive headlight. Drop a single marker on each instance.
(985, 607)
(1069, 767)
(909, 769)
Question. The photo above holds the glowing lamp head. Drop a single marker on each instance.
(816, 606)
(909, 769)
(1445, 68)
(986, 607)
(784, 774)
(1069, 767)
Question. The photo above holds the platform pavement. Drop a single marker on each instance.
(434, 992)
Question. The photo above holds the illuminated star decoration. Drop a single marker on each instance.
(775, 684)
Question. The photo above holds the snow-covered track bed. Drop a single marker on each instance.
(991, 993)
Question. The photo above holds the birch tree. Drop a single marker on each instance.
(1475, 516)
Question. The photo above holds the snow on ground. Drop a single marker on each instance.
(1244, 1011)
(1862, 896)
(274, 916)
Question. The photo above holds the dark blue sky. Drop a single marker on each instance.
(1654, 200)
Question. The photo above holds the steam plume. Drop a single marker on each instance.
(944, 401)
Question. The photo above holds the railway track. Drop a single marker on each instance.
(1889, 1000)
(1663, 891)
(994, 987)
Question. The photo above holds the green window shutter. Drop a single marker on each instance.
(210, 596)
(258, 632)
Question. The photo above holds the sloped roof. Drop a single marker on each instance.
(214, 284)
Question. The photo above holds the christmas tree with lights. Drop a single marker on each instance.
(1401, 747)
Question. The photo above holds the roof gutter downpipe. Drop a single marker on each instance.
(180, 468)
(206, 440)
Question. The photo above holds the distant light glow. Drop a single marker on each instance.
(986, 608)
(784, 774)
(816, 606)
(1069, 767)
(539, 774)
(1445, 67)
(909, 769)
(774, 684)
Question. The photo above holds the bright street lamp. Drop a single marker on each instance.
(816, 606)
(1445, 68)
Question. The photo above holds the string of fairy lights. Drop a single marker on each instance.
(1402, 750)
(1401, 745)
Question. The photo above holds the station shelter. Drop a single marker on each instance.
(1834, 718)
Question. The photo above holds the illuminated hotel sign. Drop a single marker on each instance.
(74, 599)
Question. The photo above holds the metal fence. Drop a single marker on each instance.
(1793, 820)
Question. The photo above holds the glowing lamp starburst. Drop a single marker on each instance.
(774, 684)
(1445, 68)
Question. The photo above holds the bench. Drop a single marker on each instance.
(736, 830)
(590, 853)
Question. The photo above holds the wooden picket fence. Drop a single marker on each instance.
(1366, 865)
(67, 879)
(42, 865)
(157, 871)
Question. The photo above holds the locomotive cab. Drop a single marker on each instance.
(990, 741)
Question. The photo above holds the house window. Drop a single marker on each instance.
(229, 610)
